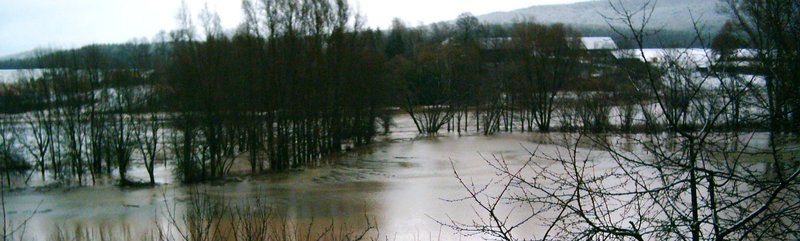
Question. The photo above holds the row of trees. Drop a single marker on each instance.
(504, 78)
(297, 81)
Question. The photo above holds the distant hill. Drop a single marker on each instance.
(112, 55)
(23, 55)
(27, 54)
(668, 14)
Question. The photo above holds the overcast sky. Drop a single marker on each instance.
(29, 24)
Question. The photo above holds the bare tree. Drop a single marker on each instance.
(40, 124)
(548, 58)
(771, 28)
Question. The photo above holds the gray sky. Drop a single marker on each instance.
(29, 24)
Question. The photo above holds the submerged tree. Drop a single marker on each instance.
(548, 58)
(41, 125)
(295, 83)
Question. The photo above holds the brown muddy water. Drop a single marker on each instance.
(402, 183)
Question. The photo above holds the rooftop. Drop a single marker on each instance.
(598, 43)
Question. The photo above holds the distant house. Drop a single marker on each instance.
(599, 50)
(599, 58)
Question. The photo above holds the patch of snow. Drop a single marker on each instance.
(598, 43)
(8, 76)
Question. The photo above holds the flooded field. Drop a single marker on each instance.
(403, 183)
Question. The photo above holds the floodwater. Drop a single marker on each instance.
(403, 183)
